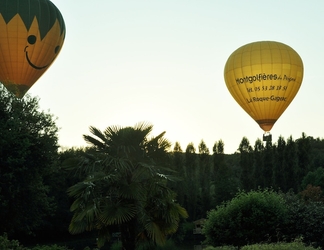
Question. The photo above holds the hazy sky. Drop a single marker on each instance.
(162, 62)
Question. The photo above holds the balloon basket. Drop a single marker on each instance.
(267, 137)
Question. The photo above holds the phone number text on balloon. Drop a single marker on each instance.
(266, 88)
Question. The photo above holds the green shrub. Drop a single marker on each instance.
(297, 245)
(88, 248)
(51, 247)
(6, 244)
(305, 219)
(169, 244)
(315, 178)
(116, 246)
(184, 232)
(250, 217)
(221, 248)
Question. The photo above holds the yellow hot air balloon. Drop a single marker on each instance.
(31, 36)
(264, 77)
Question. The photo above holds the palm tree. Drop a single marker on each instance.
(124, 187)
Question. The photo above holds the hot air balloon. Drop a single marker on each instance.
(264, 77)
(32, 34)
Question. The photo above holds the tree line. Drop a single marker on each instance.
(35, 179)
(211, 178)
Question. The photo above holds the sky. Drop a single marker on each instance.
(162, 62)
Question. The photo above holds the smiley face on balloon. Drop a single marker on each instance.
(32, 34)
(32, 39)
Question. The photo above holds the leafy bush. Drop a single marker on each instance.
(220, 248)
(315, 178)
(88, 248)
(184, 232)
(52, 247)
(296, 245)
(169, 244)
(312, 193)
(250, 217)
(116, 246)
(305, 219)
(6, 244)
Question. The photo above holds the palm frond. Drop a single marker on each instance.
(173, 213)
(104, 235)
(112, 131)
(96, 132)
(116, 213)
(141, 173)
(133, 191)
(182, 211)
(161, 141)
(87, 213)
(79, 226)
(94, 142)
(154, 232)
(121, 165)
(82, 164)
(77, 204)
(167, 177)
(144, 126)
(71, 163)
(82, 189)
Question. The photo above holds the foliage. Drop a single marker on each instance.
(204, 177)
(224, 184)
(250, 217)
(116, 246)
(6, 244)
(147, 246)
(28, 150)
(281, 165)
(315, 178)
(192, 180)
(169, 244)
(312, 194)
(246, 163)
(296, 245)
(125, 187)
(267, 165)
(304, 157)
(304, 220)
(59, 181)
(51, 247)
(33, 185)
(220, 248)
(184, 231)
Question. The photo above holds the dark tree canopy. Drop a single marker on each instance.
(125, 187)
(28, 148)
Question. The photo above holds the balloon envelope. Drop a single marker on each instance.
(264, 77)
(31, 36)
